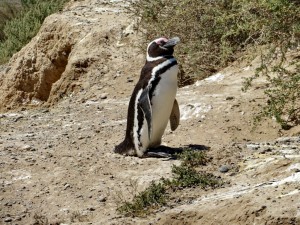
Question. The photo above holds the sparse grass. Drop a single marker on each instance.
(19, 30)
(154, 196)
(184, 176)
(78, 217)
(40, 219)
(193, 158)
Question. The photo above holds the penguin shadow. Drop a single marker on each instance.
(170, 153)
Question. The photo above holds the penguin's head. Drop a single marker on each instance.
(161, 47)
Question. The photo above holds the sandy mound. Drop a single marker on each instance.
(71, 52)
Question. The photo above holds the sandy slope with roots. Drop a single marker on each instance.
(64, 103)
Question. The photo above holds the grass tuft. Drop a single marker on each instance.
(193, 158)
(184, 176)
(152, 197)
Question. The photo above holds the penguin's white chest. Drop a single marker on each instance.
(162, 102)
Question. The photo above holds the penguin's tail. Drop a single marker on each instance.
(125, 148)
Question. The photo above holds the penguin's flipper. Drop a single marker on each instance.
(145, 105)
(175, 116)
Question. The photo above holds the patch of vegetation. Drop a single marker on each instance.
(184, 176)
(193, 158)
(20, 29)
(215, 33)
(8, 10)
(283, 91)
(154, 196)
(40, 219)
(76, 216)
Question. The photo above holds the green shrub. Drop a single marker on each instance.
(8, 10)
(215, 33)
(184, 176)
(153, 196)
(283, 89)
(193, 158)
(21, 29)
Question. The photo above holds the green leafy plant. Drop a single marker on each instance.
(184, 176)
(216, 33)
(21, 29)
(8, 10)
(283, 91)
(193, 158)
(153, 196)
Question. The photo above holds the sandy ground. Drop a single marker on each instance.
(58, 166)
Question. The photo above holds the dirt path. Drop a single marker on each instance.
(57, 162)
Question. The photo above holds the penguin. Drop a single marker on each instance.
(152, 103)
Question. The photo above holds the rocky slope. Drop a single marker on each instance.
(67, 93)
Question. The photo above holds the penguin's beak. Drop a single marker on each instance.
(171, 42)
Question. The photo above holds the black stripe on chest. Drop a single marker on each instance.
(157, 78)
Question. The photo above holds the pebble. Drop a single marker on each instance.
(18, 118)
(27, 148)
(67, 186)
(103, 96)
(91, 209)
(224, 169)
(102, 199)
(229, 98)
(8, 219)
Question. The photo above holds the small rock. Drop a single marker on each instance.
(27, 148)
(67, 186)
(91, 209)
(229, 98)
(103, 96)
(8, 219)
(224, 169)
(18, 118)
(102, 199)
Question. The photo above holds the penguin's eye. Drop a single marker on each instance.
(162, 42)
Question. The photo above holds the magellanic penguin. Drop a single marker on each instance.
(152, 103)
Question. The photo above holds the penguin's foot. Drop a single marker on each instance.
(163, 152)
(157, 155)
